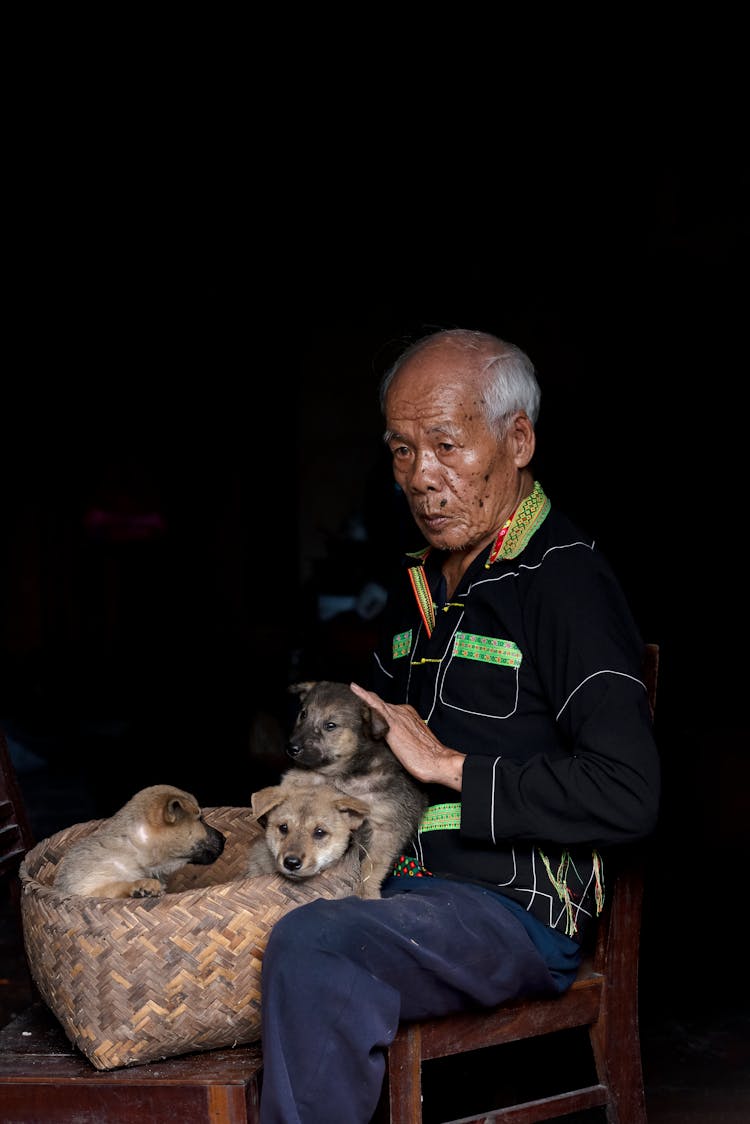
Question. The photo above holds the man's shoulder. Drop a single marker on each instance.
(564, 562)
(563, 565)
(560, 538)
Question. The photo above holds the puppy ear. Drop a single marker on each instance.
(356, 810)
(378, 725)
(177, 806)
(303, 688)
(265, 799)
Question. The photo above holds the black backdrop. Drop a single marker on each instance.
(154, 372)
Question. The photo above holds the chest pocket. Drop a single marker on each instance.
(481, 676)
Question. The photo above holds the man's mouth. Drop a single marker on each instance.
(433, 518)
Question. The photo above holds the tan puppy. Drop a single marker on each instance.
(338, 740)
(308, 829)
(130, 855)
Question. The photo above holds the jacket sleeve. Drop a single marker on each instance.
(583, 654)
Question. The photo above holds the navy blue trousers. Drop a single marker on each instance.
(338, 975)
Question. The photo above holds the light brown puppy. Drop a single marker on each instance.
(337, 739)
(130, 855)
(308, 829)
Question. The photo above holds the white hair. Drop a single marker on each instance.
(511, 384)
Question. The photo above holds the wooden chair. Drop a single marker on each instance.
(45, 1080)
(602, 1001)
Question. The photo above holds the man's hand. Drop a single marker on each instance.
(418, 750)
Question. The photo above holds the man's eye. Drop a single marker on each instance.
(446, 447)
(400, 451)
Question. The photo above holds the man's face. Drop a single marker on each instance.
(461, 482)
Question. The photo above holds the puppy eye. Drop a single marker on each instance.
(303, 714)
(283, 829)
(331, 725)
(319, 833)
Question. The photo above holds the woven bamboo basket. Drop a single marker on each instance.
(140, 979)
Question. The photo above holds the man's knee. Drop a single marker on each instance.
(320, 927)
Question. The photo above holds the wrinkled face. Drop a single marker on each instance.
(460, 480)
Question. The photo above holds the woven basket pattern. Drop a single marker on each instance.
(137, 980)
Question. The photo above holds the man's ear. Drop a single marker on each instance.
(523, 438)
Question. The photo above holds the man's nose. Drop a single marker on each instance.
(425, 473)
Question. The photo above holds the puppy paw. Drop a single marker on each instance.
(147, 888)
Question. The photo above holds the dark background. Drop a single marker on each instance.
(202, 368)
(225, 388)
(214, 238)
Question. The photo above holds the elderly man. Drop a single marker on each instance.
(509, 676)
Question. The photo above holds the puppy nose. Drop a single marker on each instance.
(294, 749)
(291, 862)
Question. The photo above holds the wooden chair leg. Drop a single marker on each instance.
(618, 1067)
(402, 1092)
(615, 1039)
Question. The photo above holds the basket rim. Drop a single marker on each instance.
(260, 882)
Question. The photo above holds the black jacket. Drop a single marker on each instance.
(533, 670)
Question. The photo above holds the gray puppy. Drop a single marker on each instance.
(337, 739)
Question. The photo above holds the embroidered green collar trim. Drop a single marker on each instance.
(529, 516)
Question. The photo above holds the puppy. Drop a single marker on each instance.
(130, 855)
(308, 829)
(337, 738)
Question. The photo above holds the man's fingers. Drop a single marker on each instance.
(366, 696)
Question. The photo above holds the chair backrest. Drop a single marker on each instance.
(16, 836)
(620, 924)
(651, 673)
